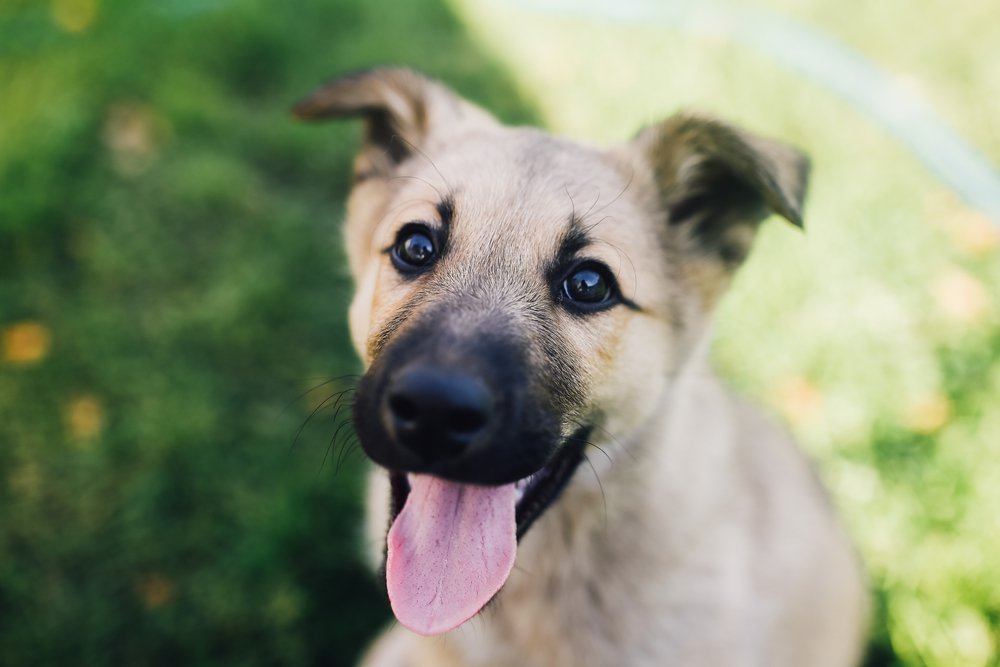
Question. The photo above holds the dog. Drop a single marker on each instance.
(563, 480)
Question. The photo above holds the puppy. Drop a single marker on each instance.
(533, 316)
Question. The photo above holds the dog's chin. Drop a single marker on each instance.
(534, 493)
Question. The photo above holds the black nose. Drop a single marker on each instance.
(436, 413)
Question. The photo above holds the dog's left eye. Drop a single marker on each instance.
(414, 249)
(589, 287)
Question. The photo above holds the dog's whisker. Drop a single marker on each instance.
(343, 447)
(600, 485)
(635, 274)
(582, 424)
(416, 149)
(421, 180)
(326, 456)
(341, 404)
(602, 451)
(625, 189)
(338, 396)
(331, 443)
(592, 206)
(613, 439)
(310, 390)
(354, 452)
(572, 215)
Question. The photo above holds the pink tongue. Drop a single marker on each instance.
(450, 550)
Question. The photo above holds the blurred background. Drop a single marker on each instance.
(177, 485)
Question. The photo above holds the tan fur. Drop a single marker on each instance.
(697, 536)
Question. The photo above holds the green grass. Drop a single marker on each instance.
(171, 281)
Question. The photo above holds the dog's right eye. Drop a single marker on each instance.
(414, 249)
(588, 288)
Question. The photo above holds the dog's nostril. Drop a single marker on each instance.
(467, 421)
(404, 408)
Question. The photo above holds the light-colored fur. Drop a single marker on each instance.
(696, 534)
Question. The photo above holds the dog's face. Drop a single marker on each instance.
(517, 294)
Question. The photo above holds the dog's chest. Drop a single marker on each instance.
(592, 590)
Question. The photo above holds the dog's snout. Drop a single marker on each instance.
(454, 395)
(437, 413)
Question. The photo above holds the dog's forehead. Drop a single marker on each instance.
(520, 183)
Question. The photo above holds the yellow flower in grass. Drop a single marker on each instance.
(25, 342)
(74, 15)
(85, 418)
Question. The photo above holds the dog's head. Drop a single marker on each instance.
(515, 292)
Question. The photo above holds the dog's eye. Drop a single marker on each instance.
(589, 287)
(414, 249)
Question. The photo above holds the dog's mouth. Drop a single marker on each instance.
(451, 546)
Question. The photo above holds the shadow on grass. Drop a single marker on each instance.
(170, 279)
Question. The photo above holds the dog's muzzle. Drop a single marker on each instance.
(463, 408)
(476, 454)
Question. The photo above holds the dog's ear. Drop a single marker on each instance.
(404, 112)
(716, 183)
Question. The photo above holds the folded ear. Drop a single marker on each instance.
(404, 112)
(716, 183)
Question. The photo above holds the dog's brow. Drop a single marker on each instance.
(446, 210)
(574, 240)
